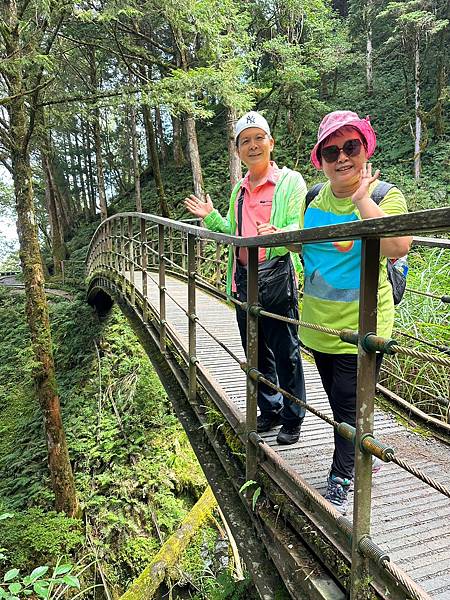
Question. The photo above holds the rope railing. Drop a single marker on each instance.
(121, 247)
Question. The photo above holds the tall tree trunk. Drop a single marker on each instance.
(146, 116)
(90, 170)
(418, 131)
(73, 172)
(99, 164)
(160, 132)
(58, 247)
(136, 168)
(98, 143)
(36, 302)
(369, 66)
(233, 159)
(151, 141)
(335, 82)
(194, 156)
(81, 174)
(91, 182)
(324, 85)
(178, 154)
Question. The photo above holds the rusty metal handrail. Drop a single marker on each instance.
(437, 219)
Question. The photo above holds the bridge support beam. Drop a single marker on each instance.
(366, 382)
(192, 323)
(252, 360)
(162, 290)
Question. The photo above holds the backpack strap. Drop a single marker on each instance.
(377, 195)
(380, 191)
(312, 193)
(239, 217)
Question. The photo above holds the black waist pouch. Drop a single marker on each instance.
(277, 289)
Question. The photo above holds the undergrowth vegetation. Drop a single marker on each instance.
(136, 474)
(421, 319)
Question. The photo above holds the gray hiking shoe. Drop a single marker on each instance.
(337, 492)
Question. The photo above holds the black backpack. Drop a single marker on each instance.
(396, 278)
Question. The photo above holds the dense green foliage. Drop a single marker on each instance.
(135, 472)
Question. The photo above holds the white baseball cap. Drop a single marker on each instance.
(251, 119)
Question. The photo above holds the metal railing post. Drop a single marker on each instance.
(192, 323)
(104, 246)
(218, 249)
(153, 244)
(123, 256)
(366, 381)
(144, 265)
(171, 256)
(131, 257)
(116, 246)
(252, 360)
(183, 251)
(162, 290)
(108, 245)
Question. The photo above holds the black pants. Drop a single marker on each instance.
(278, 348)
(338, 374)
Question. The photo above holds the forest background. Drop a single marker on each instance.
(111, 106)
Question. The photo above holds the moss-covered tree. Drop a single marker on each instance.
(23, 76)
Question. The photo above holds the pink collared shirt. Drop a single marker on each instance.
(257, 207)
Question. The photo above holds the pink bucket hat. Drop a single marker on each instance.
(337, 119)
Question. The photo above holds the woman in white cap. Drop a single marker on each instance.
(332, 271)
(266, 200)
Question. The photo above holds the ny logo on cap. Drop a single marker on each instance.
(250, 119)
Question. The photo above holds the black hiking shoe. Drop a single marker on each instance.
(267, 422)
(289, 434)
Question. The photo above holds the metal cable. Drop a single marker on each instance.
(294, 399)
(221, 344)
(236, 301)
(444, 349)
(329, 330)
(414, 591)
(418, 473)
(197, 320)
(438, 360)
(175, 301)
(442, 298)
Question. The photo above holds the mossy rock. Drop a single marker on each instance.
(34, 537)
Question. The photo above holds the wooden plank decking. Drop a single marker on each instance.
(410, 520)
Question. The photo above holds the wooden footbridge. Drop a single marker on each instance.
(166, 276)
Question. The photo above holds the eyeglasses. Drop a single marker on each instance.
(350, 148)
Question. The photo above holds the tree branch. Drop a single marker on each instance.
(8, 99)
(3, 160)
(88, 99)
(145, 37)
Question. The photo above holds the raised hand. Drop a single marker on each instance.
(365, 180)
(265, 228)
(197, 207)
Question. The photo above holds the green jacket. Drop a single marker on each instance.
(287, 213)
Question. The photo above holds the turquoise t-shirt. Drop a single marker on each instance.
(332, 274)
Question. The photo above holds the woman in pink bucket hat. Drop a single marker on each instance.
(332, 270)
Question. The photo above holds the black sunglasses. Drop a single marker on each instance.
(350, 148)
